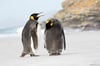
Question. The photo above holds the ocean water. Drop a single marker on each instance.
(17, 31)
(10, 31)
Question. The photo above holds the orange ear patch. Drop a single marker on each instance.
(32, 17)
(51, 24)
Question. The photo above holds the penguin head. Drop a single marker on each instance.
(35, 16)
(49, 24)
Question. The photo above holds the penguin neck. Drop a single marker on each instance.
(48, 27)
(33, 20)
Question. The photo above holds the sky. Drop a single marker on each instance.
(17, 12)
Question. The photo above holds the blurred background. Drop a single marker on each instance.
(80, 14)
(74, 14)
(15, 13)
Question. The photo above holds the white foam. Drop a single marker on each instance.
(19, 30)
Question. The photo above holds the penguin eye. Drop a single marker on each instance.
(32, 17)
(51, 24)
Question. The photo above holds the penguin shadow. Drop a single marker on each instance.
(70, 53)
(62, 54)
(47, 55)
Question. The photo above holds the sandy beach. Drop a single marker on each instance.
(83, 49)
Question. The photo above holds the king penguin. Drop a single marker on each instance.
(54, 37)
(30, 30)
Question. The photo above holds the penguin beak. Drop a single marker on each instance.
(40, 15)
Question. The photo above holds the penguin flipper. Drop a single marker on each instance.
(35, 39)
(64, 40)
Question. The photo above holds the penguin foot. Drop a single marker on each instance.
(23, 54)
(58, 54)
(54, 54)
(33, 55)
